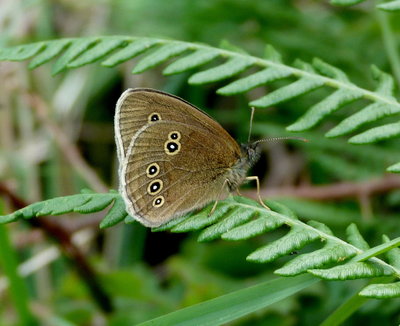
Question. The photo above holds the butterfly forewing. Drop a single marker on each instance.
(137, 107)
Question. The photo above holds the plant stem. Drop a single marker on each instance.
(345, 310)
(337, 191)
(350, 306)
(390, 43)
(18, 289)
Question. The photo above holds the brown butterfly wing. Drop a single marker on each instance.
(136, 107)
(190, 161)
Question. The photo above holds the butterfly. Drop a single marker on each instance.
(173, 157)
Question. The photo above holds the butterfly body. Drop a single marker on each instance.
(250, 153)
(173, 157)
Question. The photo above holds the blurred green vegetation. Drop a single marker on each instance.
(150, 274)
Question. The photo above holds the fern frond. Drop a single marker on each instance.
(295, 239)
(259, 78)
(228, 69)
(238, 218)
(381, 291)
(302, 86)
(388, 290)
(390, 6)
(345, 2)
(387, 6)
(393, 255)
(131, 50)
(378, 133)
(97, 52)
(395, 168)
(353, 271)
(84, 203)
(355, 238)
(47, 53)
(75, 48)
(230, 62)
(197, 58)
(330, 254)
(160, 55)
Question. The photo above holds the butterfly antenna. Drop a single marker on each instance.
(251, 123)
(281, 138)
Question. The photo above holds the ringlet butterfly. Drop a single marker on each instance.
(174, 157)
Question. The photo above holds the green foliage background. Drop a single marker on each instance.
(151, 274)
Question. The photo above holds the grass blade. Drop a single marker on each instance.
(18, 290)
(236, 304)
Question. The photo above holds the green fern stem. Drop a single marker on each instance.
(18, 290)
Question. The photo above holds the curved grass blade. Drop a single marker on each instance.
(18, 290)
(234, 305)
(344, 311)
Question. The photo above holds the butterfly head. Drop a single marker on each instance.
(251, 152)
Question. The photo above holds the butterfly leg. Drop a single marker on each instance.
(219, 195)
(258, 190)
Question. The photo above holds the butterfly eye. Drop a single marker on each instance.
(172, 147)
(153, 170)
(174, 135)
(155, 187)
(158, 201)
(154, 117)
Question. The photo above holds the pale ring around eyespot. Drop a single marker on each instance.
(153, 117)
(158, 201)
(174, 135)
(155, 187)
(172, 147)
(152, 170)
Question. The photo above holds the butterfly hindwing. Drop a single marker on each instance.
(171, 168)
